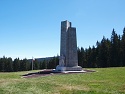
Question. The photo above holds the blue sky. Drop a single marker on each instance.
(32, 27)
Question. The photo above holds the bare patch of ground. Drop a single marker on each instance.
(49, 72)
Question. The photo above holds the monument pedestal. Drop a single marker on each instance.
(75, 68)
(61, 69)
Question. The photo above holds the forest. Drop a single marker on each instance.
(106, 53)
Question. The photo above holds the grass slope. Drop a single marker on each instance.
(104, 81)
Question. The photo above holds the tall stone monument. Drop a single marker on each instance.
(68, 60)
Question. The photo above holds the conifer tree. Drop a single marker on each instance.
(123, 48)
(114, 49)
(16, 64)
(35, 64)
(44, 64)
(9, 65)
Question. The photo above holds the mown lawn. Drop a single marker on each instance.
(103, 81)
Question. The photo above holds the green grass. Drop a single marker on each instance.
(104, 81)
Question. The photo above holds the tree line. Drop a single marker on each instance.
(9, 65)
(106, 53)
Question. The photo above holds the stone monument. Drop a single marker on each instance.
(68, 60)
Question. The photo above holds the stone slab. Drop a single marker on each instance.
(75, 68)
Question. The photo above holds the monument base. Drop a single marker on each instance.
(62, 69)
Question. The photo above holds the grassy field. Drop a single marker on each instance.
(104, 81)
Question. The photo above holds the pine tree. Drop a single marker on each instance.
(85, 64)
(98, 44)
(35, 65)
(44, 64)
(89, 59)
(53, 62)
(0, 64)
(123, 48)
(40, 65)
(57, 61)
(16, 64)
(25, 65)
(93, 57)
(4, 65)
(9, 64)
(114, 49)
(108, 46)
(102, 53)
(80, 56)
